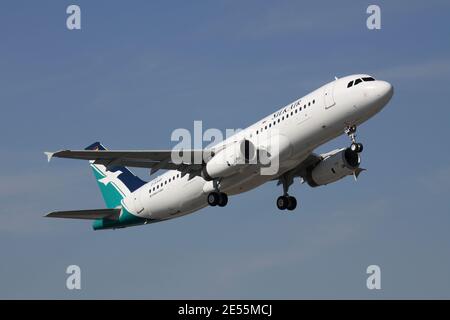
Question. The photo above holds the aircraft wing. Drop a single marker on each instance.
(152, 159)
(302, 168)
(313, 159)
(92, 214)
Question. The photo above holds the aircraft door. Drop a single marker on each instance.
(138, 206)
(328, 95)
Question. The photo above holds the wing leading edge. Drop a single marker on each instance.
(91, 214)
(186, 160)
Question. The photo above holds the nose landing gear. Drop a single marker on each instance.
(355, 146)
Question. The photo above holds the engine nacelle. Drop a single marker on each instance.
(230, 160)
(334, 167)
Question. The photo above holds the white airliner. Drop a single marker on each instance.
(288, 136)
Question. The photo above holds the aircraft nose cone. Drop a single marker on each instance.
(377, 94)
(384, 90)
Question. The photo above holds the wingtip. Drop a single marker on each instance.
(48, 215)
(357, 172)
(49, 155)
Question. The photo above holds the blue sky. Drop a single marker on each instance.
(138, 70)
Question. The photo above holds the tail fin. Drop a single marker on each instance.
(115, 182)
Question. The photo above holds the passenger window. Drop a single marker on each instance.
(309, 103)
(314, 101)
(350, 84)
(357, 81)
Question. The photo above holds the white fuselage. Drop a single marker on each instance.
(301, 126)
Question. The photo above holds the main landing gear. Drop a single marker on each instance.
(217, 198)
(355, 146)
(286, 201)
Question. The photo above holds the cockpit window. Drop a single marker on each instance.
(358, 81)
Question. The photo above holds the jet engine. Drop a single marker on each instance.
(333, 167)
(230, 160)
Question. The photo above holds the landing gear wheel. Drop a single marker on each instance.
(282, 202)
(285, 201)
(292, 203)
(223, 199)
(217, 199)
(351, 132)
(360, 147)
(213, 199)
(356, 147)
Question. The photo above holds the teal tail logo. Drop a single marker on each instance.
(115, 183)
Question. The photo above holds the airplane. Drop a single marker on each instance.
(287, 137)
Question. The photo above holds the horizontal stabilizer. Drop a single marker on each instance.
(92, 214)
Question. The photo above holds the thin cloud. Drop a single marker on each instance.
(436, 181)
(420, 70)
(26, 197)
(333, 230)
